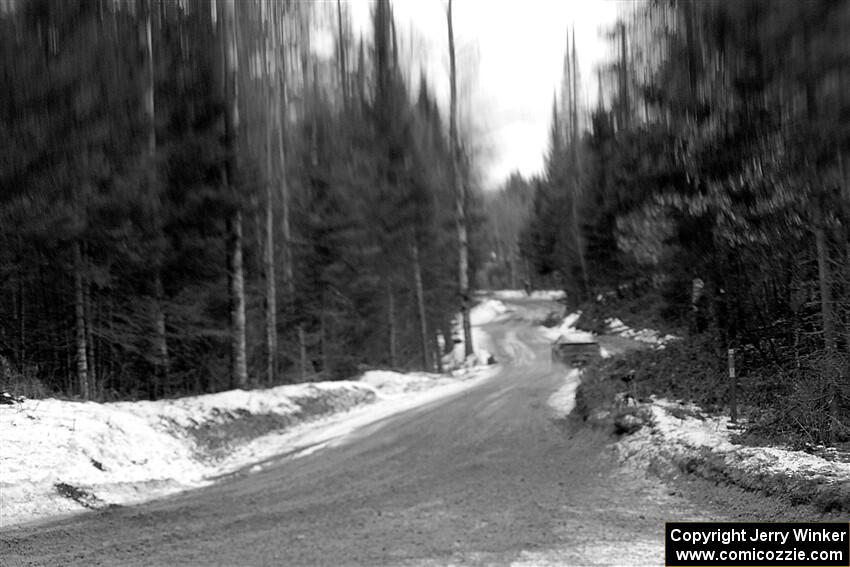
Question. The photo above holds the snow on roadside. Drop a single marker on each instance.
(51, 442)
(225, 406)
(397, 393)
(388, 383)
(60, 457)
(568, 330)
(649, 336)
(488, 311)
(563, 400)
(681, 434)
(552, 295)
(102, 453)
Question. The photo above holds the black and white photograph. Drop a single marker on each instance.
(424, 283)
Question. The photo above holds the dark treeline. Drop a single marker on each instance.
(192, 198)
(716, 164)
(506, 212)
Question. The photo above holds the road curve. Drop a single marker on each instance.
(489, 476)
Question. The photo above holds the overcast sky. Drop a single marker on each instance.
(510, 59)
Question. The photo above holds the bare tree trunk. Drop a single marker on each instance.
(161, 341)
(438, 354)
(822, 245)
(271, 293)
(148, 100)
(323, 336)
(22, 343)
(844, 170)
(302, 347)
(828, 322)
(70, 372)
(159, 321)
(420, 302)
(281, 104)
(343, 75)
(361, 74)
(824, 280)
(239, 370)
(268, 260)
(90, 350)
(102, 356)
(460, 193)
(391, 324)
(80, 318)
(577, 192)
(625, 101)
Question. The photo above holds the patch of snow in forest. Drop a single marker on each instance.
(390, 383)
(509, 294)
(681, 429)
(563, 400)
(487, 311)
(567, 330)
(456, 361)
(649, 336)
(551, 295)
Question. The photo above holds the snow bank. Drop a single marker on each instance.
(681, 437)
(487, 311)
(59, 456)
(548, 294)
(567, 330)
(552, 295)
(649, 336)
(562, 402)
(389, 383)
(226, 406)
(509, 294)
(63, 456)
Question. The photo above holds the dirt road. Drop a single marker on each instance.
(487, 477)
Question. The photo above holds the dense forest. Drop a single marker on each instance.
(198, 195)
(714, 168)
(194, 196)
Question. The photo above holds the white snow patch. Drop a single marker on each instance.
(487, 311)
(551, 295)
(563, 400)
(456, 362)
(568, 331)
(392, 383)
(221, 407)
(679, 428)
(509, 294)
(127, 452)
(46, 442)
(649, 336)
(548, 294)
